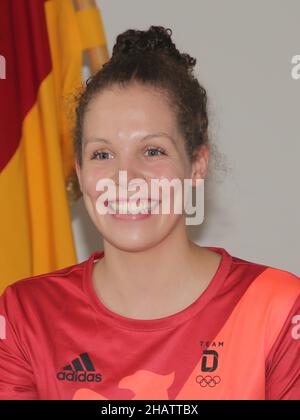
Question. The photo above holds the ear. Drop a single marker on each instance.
(78, 172)
(200, 164)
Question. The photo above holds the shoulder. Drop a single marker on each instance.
(274, 284)
(271, 294)
(268, 279)
(268, 300)
(264, 289)
(280, 283)
(40, 290)
(251, 277)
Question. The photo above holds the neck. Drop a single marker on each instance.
(151, 283)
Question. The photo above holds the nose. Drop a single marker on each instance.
(127, 171)
(128, 178)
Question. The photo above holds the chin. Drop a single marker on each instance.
(136, 236)
(132, 244)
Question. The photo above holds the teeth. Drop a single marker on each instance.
(125, 207)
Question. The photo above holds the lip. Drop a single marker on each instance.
(130, 217)
(117, 201)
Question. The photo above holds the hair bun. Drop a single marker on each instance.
(156, 38)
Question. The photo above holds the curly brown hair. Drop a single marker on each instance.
(151, 58)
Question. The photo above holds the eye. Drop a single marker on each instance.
(155, 151)
(100, 155)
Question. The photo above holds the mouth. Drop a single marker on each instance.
(132, 207)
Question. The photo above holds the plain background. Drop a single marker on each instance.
(244, 51)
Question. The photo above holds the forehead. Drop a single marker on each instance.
(122, 110)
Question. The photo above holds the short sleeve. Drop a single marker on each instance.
(16, 376)
(283, 362)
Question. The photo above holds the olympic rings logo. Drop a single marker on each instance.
(210, 381)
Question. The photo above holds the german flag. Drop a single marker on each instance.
(42, 42)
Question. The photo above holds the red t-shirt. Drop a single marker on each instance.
(239, 340)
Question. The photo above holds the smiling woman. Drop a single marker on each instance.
(144, 314)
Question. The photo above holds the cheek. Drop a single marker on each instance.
(167, 170)
(90, 177)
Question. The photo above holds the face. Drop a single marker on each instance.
(133, 129)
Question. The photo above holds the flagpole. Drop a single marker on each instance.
(99, 54)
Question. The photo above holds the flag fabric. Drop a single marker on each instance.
(42, 42)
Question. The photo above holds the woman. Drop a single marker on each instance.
(153, 315)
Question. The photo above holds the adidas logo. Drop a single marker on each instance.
(81, 369)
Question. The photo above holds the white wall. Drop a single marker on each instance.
(244, 51)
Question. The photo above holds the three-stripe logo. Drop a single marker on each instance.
(81, 369)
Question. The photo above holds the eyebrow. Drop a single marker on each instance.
(147, 137)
